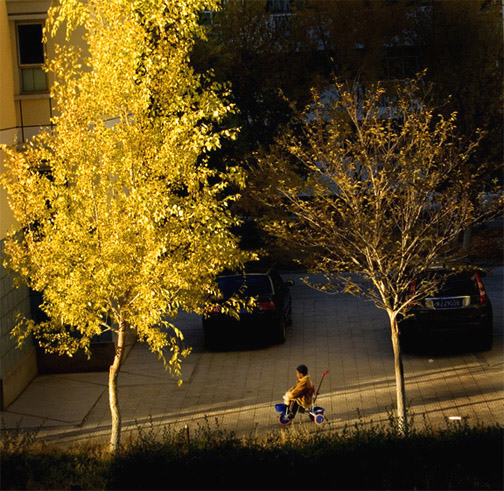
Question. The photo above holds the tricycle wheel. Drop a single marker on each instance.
(319, 419)
(284, 420)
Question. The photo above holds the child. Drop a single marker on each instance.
(300, 394)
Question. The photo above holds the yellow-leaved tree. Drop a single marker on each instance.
(122, 223)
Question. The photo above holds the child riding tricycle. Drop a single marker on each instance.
(301, 397)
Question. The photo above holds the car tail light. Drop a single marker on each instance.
(269, 305)
(213, 309)
(482, 292)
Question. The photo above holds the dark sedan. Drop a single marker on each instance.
(460, 309)
(266, 321)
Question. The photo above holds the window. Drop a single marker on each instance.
(253, 285)
(31, 58)
(278, 283)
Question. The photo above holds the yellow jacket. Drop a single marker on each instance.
(302, 392)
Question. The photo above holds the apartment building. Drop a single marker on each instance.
(25, 108)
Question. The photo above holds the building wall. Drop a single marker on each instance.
(8, 122)
(21, 116)
(18, 366)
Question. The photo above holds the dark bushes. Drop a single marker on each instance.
(457, 457)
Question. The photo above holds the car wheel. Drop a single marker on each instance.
(279, 337)
(485, 341)
(209, 341)
(289, 316)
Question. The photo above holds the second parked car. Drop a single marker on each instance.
(459, 309)
(265, 322)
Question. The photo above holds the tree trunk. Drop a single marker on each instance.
(399, 376)
(115, 434)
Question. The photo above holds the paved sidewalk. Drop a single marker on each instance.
(345, 335)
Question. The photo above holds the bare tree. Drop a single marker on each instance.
(371, 182)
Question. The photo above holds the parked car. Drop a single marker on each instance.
(265, 322)
(459, 309)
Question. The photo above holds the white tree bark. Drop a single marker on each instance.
(115, 434)
(399, 376)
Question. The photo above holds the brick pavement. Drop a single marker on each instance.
(238, 388)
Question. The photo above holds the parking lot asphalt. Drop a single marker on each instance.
(236, 389)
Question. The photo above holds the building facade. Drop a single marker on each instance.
(25, 108)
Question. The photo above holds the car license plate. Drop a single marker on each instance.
(447, 303)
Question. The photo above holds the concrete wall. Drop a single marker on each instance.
(9, 130)
(18, 366)
(22, 116)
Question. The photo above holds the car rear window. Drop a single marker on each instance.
(459, 284)
(252, 285)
